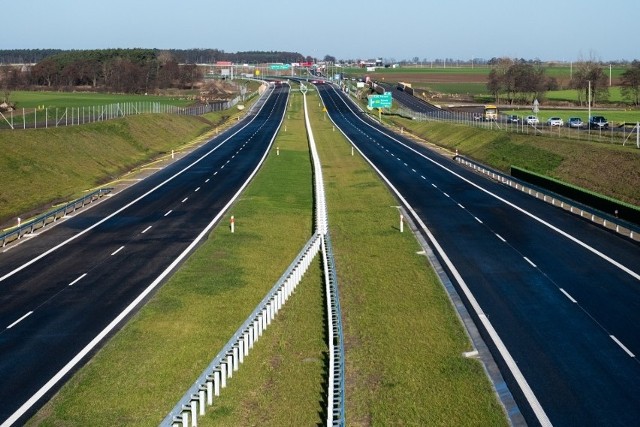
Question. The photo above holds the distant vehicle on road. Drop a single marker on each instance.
(575, 122)
(598, 122)
(531, 120)
(512, 118)
(490, 113)
(555, 121)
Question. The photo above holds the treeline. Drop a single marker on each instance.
(118, 70)
(517, 81)
(184, 56)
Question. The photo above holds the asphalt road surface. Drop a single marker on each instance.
(67, 289)
(556, 298)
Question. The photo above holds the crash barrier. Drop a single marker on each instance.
(335, 384)
(624, 228)
(335, 393)
(32, 225)
(623, 211)
(209, 384)
(228, 360)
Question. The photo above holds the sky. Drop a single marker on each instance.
(395, 30)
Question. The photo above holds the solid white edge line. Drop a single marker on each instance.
(108, 217)
(508, 203)
(622, 346)
(566, 294)
(77, 280)
(504, 352)
(19, 320)
(94, 342)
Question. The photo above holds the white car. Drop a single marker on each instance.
(555, 121)
(531, 120)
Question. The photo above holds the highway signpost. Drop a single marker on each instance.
(380, 102)
(279, 66)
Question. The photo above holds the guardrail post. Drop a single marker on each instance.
(216, 383)
(201, 398)
(230, 365)
(210, 380)
(223, 374)
(194, 411)
(185, 415)
(235, 356)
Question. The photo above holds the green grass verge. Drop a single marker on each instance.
(602, 167)
(53, 99)
(43, 166)
(144, 370)
(403, 340)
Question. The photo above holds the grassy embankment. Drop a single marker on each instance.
(41, 167)
(609, 169)
(387, 292)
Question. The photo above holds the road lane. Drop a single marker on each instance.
(80, 276)
(515, 254)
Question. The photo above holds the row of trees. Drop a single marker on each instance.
(516, 81)
(125, 70)
(512, 81)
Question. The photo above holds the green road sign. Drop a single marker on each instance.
(279, 66)
(380, 101)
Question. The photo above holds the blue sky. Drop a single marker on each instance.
(567, 30)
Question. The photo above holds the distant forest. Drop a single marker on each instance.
(189, 56)
(119, 70)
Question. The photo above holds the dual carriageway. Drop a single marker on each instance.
(555, 298)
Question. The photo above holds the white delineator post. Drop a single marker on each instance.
(232, 224)
(401, 223)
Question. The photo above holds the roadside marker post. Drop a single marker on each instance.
(233, 224)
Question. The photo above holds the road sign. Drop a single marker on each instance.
(279, 66)
(380, 101)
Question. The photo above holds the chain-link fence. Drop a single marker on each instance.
(44, 118)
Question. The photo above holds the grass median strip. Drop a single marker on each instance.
(144, 370)
(403, 340)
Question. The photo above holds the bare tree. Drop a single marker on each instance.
(631, 83)
(590, 74)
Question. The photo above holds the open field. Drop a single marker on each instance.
(50, 99)
(471, 82)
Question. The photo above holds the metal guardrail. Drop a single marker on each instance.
(43, 220)
(601, 218)
(335, 384)
(213, 379)
(228, 360)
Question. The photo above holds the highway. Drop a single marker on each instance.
(556, 298)
(65, 291)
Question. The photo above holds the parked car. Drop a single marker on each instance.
(512, 118)
(531, 120)
(598, 122)
(555, 121)
(575, 122)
